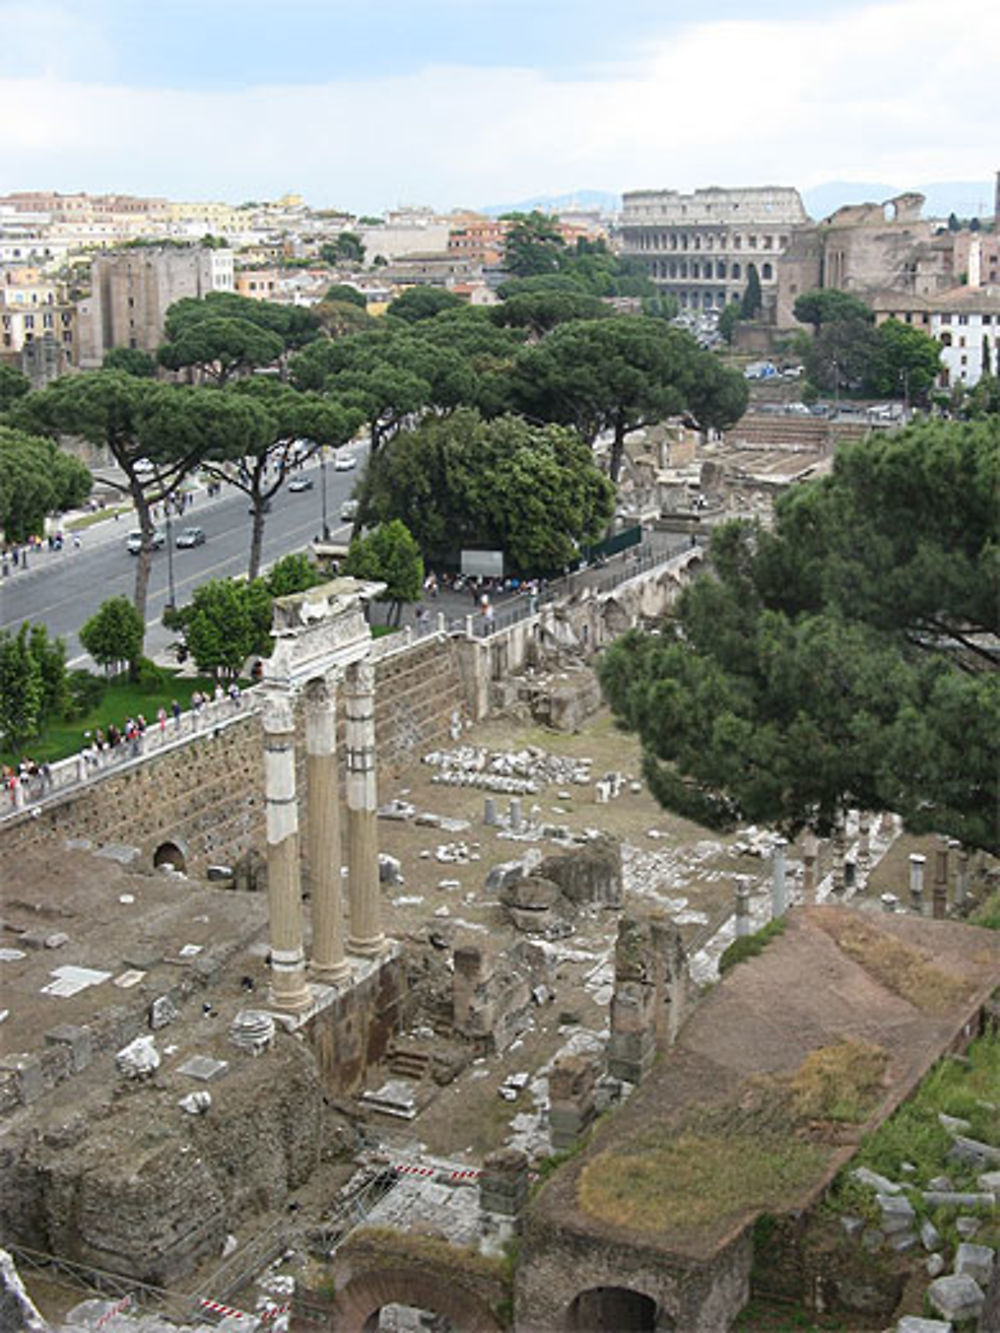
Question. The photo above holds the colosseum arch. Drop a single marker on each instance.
(172, 854)
(616, 1310)
(370, 1290)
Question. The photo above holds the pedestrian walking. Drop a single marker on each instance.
(175, 708)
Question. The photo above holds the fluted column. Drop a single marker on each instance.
(328, 962)
(289, 989)
(366, 935)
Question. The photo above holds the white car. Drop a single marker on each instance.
(133, 541)
(344, 463)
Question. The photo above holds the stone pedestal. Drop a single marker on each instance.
(328, 961)
(810, 856)
(779, 888)
(939, 899)
(864, 842)
(571, 1100)
(917, 882)
(366, 935)
(288, 976)
(503, 1184)
(742, 909)
(961, 872)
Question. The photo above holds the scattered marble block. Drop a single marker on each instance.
(956, 1297)
(975, 1261)
(139, 1059)
(204, 1068)
(78, 1040)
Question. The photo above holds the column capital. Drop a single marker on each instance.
(277, 713)
(359, 678)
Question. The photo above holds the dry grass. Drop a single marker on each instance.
(768, 1144)
(900, 968)
(692, 1181)
(841, 1082)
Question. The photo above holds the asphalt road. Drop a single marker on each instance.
(62, 589)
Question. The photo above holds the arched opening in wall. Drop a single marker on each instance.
(169, 854)
(615, 1310)
(407, 1298)
(397, 1318)
(889, 211)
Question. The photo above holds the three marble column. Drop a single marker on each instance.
(290, 989)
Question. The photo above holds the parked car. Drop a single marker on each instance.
(344, 463)
(133, 541)
(190, 537)
(348, 510)
(300, 484)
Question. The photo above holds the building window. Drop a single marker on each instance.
(47, 321)
(67, 336)
(735, 272)
(987, 319)
(752, 242)
(946, 319)
(766, 271)
(963, 319)
(737, 242)
(29, 321)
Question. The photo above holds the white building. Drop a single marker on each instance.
(966, 322)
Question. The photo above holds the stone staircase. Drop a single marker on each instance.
(408, 1061)
(805, 434)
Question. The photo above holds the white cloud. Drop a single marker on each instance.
(897, 91)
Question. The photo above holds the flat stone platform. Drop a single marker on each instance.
(774, 1080)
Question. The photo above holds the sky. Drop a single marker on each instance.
(371, 104)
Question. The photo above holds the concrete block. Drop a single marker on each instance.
(79, 1041)
(975, 1261)
(956, 1297)
(27, 1070)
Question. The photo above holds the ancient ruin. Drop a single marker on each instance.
(332, 1081)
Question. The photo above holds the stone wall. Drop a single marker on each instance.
(560, 1268)
(206, 796)
(353, 1031)
(136, 1186)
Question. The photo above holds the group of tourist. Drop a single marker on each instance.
(32, 778)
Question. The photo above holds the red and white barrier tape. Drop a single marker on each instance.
(215, 1307)
(123, 1304)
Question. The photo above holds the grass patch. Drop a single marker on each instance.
(668, 1181)
(988, 913)
(119, 700)
(902, 969)
(842, 1082)
(914, 1135)
(749, 946)
(758, 1152)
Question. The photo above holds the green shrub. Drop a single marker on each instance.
(85, 694)
(749, 946)
(149, 676)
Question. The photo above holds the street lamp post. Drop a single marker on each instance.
(322, 484)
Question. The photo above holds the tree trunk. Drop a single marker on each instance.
(256, 543)
(617, 448)
(144, 560)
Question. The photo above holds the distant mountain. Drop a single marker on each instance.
(965, 198)
(551, 203)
